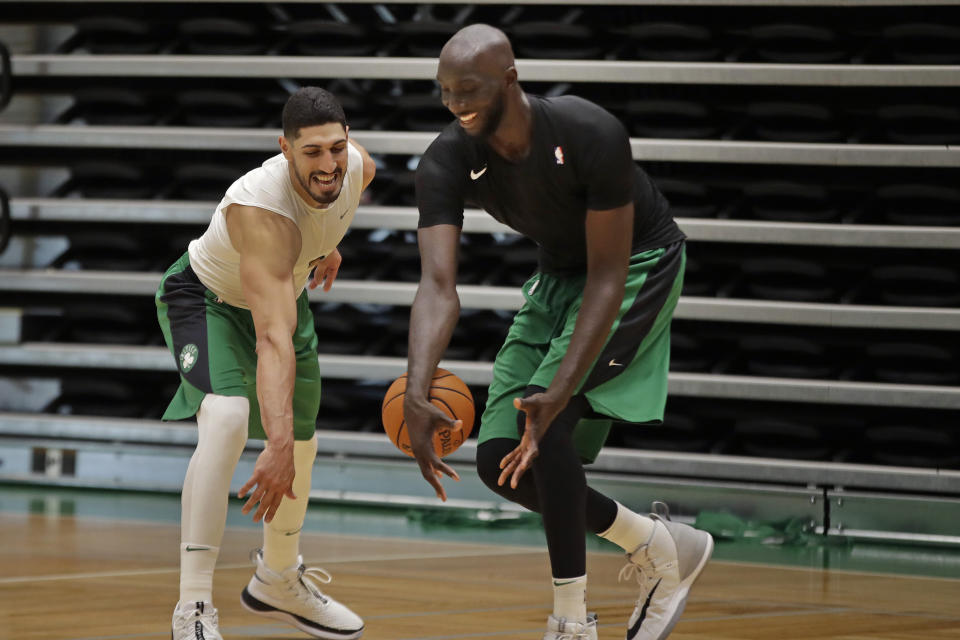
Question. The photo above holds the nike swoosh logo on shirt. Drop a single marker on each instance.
(189, 548)
(476, 174)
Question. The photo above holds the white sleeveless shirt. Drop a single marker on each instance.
(217, 263)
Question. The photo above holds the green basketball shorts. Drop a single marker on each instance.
(628, 380)
(215, 344)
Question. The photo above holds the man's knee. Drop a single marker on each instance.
(226, 417)
(489, 455)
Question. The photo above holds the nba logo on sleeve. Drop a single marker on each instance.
(558, 154)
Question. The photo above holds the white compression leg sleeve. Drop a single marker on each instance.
(281, 536)
(222, 426)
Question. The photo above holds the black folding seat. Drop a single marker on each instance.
(690, 353)
(667, 42)
(337, 412)
(922, 124)
(215, 108)
(419, 37)
(96, 396)
(337, 329)
(912, 444)
(786, 201)
(920, 43)
(392, 186)
(416, 111)
(329, 38)
(555, 40)
(702, 278)
(689, 199)
(919, 204)
(687, 432)
(771, 278)
(782, 438)
(793, 122)
(104, 179)
(793, 43)
(207, 182)
(687, 119)
(785, 356)
(105, 251)
(912, 363)
(911, 285)
(106, 323)
(106, 34)
(221, 36)
(110, 106)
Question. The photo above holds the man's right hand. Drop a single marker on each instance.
(423, 419)
(272, 479)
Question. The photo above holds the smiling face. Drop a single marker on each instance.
(476, 72)
(476, 99)
(317, 159)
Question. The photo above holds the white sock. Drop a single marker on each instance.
(570, 599)
(281, 537)
(629, 530)
(222, 427)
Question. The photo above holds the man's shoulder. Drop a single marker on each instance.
(452, 152)
(451, 143)
(574, 111)
(265, 187)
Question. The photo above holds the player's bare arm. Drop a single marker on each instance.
(269, 245)
(436, 308)
(609, 235)
(369, 166)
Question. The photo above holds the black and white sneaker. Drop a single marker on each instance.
(294, 596)
(665, 566)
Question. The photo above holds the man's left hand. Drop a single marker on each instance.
(325, 270)
(540, 410)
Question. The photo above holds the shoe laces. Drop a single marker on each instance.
(203, 623)
(569, 635)
(640, 566)
(311, 579)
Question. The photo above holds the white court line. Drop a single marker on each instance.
(366, 558)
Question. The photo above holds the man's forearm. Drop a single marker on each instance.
(276, 374)
(433, 317)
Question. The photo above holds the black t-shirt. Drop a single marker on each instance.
(579, 159)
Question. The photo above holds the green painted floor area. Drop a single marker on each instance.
(814, 552)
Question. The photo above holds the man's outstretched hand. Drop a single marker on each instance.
(272, 479)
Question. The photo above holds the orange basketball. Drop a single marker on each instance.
(448, 392)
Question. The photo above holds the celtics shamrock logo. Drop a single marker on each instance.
(188, 357)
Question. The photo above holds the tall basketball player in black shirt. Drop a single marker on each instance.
(591, 343)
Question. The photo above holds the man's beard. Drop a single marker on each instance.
(496, 115)
(319, 198)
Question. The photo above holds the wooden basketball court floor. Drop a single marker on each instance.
(73, 576)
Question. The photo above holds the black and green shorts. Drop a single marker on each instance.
(628, 380)
(214, 344)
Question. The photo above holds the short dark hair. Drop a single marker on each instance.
(309, 107)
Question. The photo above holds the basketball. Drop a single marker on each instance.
(449, 393)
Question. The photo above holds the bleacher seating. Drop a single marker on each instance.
(820, 318)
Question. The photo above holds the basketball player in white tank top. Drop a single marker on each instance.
(272, 227)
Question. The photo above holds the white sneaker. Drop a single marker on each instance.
(560, 629)
(195, 621)
(665, 566)
(294, 597)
